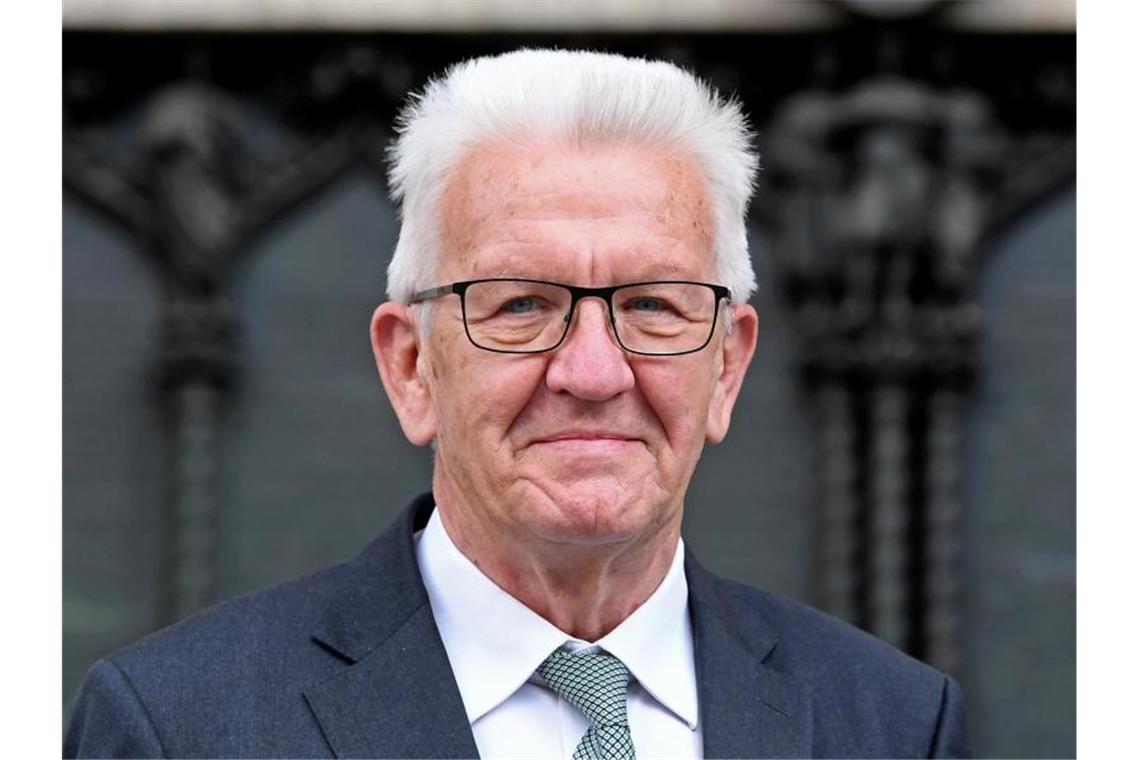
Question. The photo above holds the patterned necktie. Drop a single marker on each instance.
(596, 684)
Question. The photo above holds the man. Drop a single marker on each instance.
(568, 327)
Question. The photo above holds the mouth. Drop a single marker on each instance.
(586, 435)
(588, 441)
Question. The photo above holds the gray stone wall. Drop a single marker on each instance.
(201, 463)
(314, 463)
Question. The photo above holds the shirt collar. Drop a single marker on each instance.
(495, 643)
(656, 643)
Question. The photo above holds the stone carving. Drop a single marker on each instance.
(879, 198)
(880, 190)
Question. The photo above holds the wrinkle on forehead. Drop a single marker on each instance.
(515, 197)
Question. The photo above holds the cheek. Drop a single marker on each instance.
(481, 395)
(679, 397)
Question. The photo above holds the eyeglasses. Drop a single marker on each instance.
(520, 316)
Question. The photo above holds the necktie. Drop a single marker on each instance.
(596, 684)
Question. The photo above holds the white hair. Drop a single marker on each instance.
(581, 97)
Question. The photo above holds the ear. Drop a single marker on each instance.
(735, 353)
(396, 347)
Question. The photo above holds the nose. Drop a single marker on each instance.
(589, 364)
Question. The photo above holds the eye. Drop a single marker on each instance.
(645, 303)
(522, 305)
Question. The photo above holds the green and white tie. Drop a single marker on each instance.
(596, 684)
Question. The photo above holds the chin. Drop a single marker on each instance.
(589, 512)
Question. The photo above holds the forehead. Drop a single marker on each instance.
(598, 212)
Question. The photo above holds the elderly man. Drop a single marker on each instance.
(568, 327)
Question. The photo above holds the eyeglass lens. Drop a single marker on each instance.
(655, 318)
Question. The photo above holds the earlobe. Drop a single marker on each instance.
(736, 354)
(396, 348)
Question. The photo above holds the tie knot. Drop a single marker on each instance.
(594, 683)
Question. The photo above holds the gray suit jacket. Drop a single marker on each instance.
(348, 663)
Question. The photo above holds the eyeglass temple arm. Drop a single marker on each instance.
(430, 293)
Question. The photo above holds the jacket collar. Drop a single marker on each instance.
(399, 698)
(748, 709)
(378, 590)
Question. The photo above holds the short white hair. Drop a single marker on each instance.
(583, 98)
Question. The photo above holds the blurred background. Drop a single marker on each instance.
(903, 452)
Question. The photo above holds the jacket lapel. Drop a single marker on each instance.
(398, 697)
(747, 708)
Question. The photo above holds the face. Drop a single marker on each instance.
(585, 444)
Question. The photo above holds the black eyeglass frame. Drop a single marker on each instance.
(577, 293)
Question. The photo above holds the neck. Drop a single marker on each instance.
(584, 590)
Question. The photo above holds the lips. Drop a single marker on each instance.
(607, 444)
(586, 435)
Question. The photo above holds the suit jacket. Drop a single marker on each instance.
(348, 662)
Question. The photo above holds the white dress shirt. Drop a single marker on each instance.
(495, 643)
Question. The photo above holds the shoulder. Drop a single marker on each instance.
(819, 648)
(867, 696)
(258, 625)
(227, 681)
(231, 681)
(337, 611)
